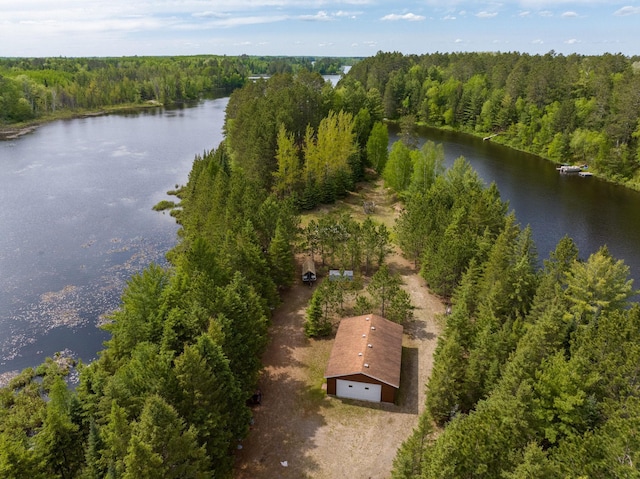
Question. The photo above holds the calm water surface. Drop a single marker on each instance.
(76, 221)
(591, 211)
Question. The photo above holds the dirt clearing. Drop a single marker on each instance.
(299, 432)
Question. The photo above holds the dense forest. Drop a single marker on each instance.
(569, 109)
(168, 396)
(35, 88)
(535, 372)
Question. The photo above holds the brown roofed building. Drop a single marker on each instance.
(365, 360)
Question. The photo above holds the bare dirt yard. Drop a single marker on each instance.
(298, 431)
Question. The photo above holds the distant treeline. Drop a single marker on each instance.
(31, 88)
(575, 109)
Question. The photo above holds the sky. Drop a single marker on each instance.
(345, 28)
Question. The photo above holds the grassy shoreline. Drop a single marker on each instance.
(16, 130)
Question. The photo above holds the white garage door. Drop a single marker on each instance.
(356, 390)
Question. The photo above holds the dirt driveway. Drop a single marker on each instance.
(299, 432)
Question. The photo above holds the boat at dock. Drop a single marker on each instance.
(569, 169)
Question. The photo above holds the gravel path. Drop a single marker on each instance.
(299, 432)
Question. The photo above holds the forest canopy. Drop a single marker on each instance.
(535, 374)
(569, 109)
(33, 88)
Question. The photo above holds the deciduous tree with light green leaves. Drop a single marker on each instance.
(399, 168)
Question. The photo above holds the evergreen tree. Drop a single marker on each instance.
(383, 286)
(281, 258)
(317, 323)
(411, 228)
(59, 442)
(243, 326)
(378, 147)
(17, 458)
(116, 434)
(408, 462)
(138, 320)
(211, 400)
(162, 446)
(598, 285)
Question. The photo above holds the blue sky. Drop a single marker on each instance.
(320, 27)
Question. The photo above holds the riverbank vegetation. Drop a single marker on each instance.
(168, 396)
(36, 89)
(569, 109)
(535, 374)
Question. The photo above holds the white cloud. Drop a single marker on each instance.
(569, 15)
(342, 13)
(537, 41)
(449, 17)
(240, 21)
(572, 41)
(458, 40)
(526, 13)
(486, 14)
(210, 15)
(626, 11)
(545, 13)
(410, 17)
(321, 16)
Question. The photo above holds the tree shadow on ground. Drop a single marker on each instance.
(283, 431)
(286, 422)
(401, 269)
(418, 330)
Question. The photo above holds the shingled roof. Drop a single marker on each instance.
(370, 345)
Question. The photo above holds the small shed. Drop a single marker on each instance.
(308, 270)
(336, 274)
(366, 358)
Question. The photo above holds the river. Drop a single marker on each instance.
(591, 211)
(76, 219)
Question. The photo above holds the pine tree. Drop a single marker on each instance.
(378, 147)
(211, 400)
(316, 323)
(162, 446)
(116, 434)
(243, 325)
(281, 258)
(59, 442)
(383, 287)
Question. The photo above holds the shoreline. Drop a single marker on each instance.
(13, 132)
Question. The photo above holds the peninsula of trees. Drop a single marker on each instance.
(569, 109)
(535, 373)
